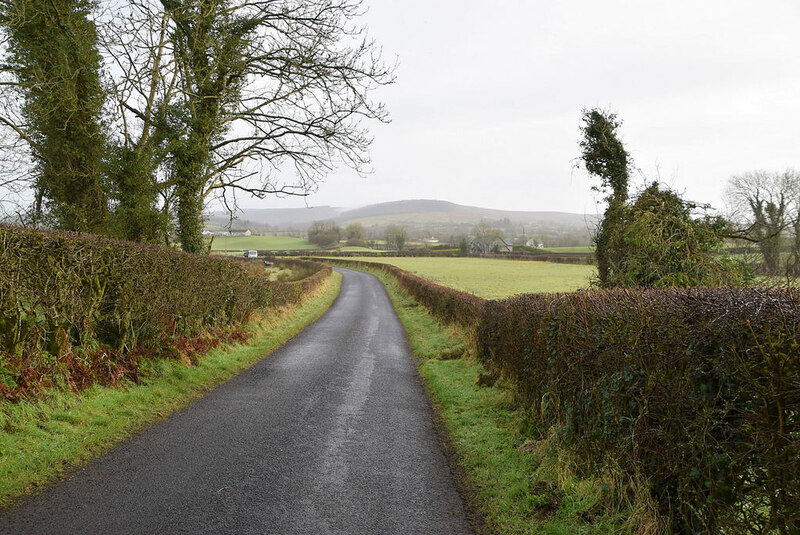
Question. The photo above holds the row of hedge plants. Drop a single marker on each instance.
(691, 394)
(79, 309)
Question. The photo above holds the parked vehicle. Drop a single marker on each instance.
(252, 253)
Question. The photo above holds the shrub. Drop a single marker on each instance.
(83, 308)
(694, 392)
(657, 242)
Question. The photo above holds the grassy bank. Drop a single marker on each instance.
(493, 278)
(517, 484)
(40, 441)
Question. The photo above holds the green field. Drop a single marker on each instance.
(583, 249)
(274, 243)
(271, 243)
(494, 278)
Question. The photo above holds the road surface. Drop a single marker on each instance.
(332, 433)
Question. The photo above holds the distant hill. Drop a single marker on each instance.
(281, 217)
(413, 213)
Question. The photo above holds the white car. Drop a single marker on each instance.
(252, 253)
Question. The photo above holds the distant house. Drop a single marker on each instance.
(207, 232)
(533, 243)
(238, 232)
(430, 240)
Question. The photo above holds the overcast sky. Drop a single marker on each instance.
(487, 104)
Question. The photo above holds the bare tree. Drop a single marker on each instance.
(764, 205)
(396, 236)
(257, 84)
(486, 236)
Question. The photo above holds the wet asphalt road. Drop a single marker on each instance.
(332, 433)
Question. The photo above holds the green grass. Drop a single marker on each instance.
(357, 249)
(41, 441)
(495, 278)
(520, 486)
(274, 243)
(584, 249)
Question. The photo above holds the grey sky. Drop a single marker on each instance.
(487, 103)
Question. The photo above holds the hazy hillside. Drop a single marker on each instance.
(428, 211)
(281, 218)
(412, 212)
(424, 217)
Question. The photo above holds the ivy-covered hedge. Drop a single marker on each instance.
(694, 393)
(79, 308)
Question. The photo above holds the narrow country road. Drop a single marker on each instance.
(332, 433)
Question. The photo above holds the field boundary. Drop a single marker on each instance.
(687, 396)
(510, 485)
(42, 440)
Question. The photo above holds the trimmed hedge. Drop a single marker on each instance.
(694, 393)
(81, 308)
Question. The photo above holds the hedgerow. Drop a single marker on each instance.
(79, 309)
(693, 394)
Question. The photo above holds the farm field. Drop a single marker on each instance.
(271, 243)
(582, 249)
(493, 278)
(278, 243)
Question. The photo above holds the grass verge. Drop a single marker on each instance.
(516, 485)
(42, 440)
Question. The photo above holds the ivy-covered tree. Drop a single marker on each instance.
(55, 67)
(655, 240)
(604, 156)
(263, 83)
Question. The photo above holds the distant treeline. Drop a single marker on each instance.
(559, 258)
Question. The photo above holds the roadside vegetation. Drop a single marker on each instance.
(77, 310)
(688, 419)
(515, 483)
(495, 278)
(42, 439)
(585, 249)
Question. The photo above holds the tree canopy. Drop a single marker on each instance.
(207, 99)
